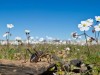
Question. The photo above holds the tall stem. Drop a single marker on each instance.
(8, 38)
(87, 43)
(28, 40)
(95, 35)
(27, 35)
(98, 38)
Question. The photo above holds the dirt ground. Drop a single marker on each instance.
(11, 67)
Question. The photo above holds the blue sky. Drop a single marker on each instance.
(55, 18)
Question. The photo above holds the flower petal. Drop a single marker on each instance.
(79, 26)
(84, 29)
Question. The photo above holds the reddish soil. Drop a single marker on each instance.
(11, 67)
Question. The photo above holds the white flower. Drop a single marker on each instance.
(88, 39)
(97, 27)
(4, 43)
(78, 49)
(17, 38)
(10, 25)
(31, 38)
(41, 39)
(27, 31)
(6, 34)
(82, 44)
(15, 43)
(49, 38)
(54, 74)
(68, 49)
(97, 18)
(28, 41)
(90, 21)
(84, 26)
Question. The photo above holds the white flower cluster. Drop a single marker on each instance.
(8, 33)
(18, 38)
(85, 25)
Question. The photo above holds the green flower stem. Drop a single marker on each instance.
(98, 37)
(27, 35)
(87, 43)
(80, 34)
(8, 38)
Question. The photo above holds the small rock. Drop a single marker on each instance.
(33, 58)
(85, 68)
(67, 67)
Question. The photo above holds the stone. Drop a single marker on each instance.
(85, 68)
(76, 62)
(34, 58)
(67, 67)
(49, 71)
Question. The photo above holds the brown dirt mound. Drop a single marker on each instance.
(11, 67)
